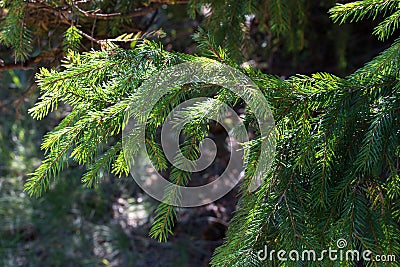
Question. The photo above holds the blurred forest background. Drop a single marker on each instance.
(108, 226)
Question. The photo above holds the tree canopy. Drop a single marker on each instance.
(336, 170)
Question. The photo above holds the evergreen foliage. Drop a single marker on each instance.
(37, 29)
(14, 33)
(336, 174)
(228, 22)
